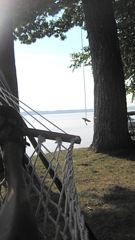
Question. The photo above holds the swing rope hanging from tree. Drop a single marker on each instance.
(49, 175)
(86, 120)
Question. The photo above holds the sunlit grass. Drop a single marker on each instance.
(106, 190)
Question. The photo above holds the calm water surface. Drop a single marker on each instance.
(74, 124)
(71, 123)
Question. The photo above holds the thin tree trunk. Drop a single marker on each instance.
(7, 58)
(110, 111)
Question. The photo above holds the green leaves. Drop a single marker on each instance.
(36, 19)
(41, 25)
(83, 57)
(125, 18)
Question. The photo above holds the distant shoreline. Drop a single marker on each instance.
(130, 108)
(56, 112)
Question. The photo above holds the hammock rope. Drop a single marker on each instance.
(50, 181)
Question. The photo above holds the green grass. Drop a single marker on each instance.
(106, 190)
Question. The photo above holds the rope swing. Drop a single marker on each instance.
(86, 120)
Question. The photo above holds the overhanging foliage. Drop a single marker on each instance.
(36, 19)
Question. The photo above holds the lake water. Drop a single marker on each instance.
(71, 123)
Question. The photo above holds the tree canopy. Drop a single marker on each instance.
(53, 22)
(57, 17)
(33, 19)
(125, 19)
(125, 16)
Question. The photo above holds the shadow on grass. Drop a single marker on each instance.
(115, 220)
(127, 153)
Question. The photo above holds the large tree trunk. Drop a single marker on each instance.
(7, 58)
(110, 110)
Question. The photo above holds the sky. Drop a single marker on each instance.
(45, 80)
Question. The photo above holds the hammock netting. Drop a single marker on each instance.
(49, 176)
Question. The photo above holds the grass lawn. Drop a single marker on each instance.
(106, 190)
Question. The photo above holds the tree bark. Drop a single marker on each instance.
(7, 58)
(110, 109)
(8, 78)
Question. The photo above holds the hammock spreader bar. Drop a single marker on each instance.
(51, 135)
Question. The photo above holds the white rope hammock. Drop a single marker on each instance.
(50, 178)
